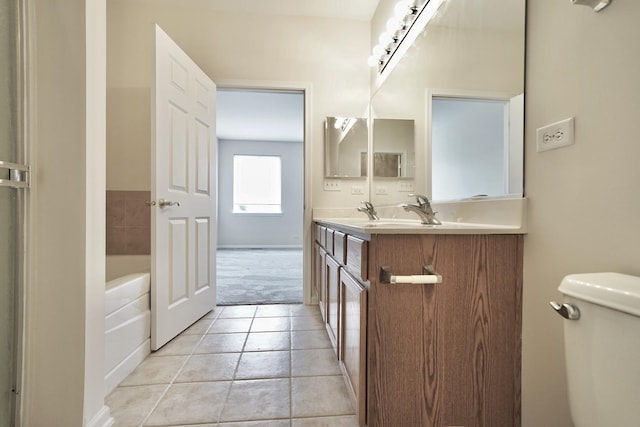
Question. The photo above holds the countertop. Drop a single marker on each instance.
(405, 226)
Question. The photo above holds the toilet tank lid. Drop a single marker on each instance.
(614, 290)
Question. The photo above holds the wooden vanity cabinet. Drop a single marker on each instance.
(446, 354)
(429, 355)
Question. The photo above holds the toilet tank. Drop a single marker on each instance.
(602, 349)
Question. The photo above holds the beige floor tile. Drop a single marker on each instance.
(190, 403)
(264, 364)
(213, 313)
(271, 324)
(130, 405)
(314, 362)
(305, 310)
(238, 311)
(257, 400)
(320, 396)
(221, 343)
(345, 421)
(222, 326)
(155, 370)
(195, 425)
(180, 345)
(267, 341)
(309, 339)
(273, 310)
(269, 423)
(209, 367)
(198, 328)
(306, 323)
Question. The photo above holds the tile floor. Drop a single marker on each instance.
(240, 366)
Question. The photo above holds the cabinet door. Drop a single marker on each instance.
(333, 302)
(353, 299)
(319, 278)
(449, 353)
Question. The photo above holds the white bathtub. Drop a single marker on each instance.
(127, 326)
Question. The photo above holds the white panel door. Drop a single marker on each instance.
(183, 220)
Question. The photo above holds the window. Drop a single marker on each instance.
(257, 184)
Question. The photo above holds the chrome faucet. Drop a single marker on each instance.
(369, 210)
(423, 209)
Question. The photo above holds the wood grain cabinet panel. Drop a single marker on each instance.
(333, 302)
(353, 328)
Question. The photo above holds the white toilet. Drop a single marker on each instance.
(602, 348)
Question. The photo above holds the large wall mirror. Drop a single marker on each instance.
(461, 85)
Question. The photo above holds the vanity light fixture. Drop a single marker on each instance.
(408, 20)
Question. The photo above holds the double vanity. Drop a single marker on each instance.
(442, 354)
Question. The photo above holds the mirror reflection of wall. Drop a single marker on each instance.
(346, 141)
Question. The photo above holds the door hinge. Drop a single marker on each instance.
(17, 176)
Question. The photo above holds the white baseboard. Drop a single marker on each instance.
(102, 418)
(124, 368)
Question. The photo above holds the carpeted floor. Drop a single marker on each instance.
(259, 276)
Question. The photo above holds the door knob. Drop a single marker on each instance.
(165, 203)
(568, 311)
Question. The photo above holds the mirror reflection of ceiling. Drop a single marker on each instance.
(348, 9)
(260, 115)
(482, 14)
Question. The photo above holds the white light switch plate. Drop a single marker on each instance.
(406, 186)
(357, 189)
(332, 185)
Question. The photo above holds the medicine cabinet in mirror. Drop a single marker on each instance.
(464, 69)
(346, 147)
(394, 154)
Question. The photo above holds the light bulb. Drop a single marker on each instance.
(393, 24)
(402, 9)
(378, 51)
(385, 38)
(372, 61)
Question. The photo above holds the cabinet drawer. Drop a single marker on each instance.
(340, 247)
(321, 235)
(329, 245)
(357, 256)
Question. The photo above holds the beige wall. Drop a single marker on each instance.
(329, 54)
(583, 199)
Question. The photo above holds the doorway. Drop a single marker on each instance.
(261, 196)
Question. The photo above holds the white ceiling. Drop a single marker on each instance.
(260, 115)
